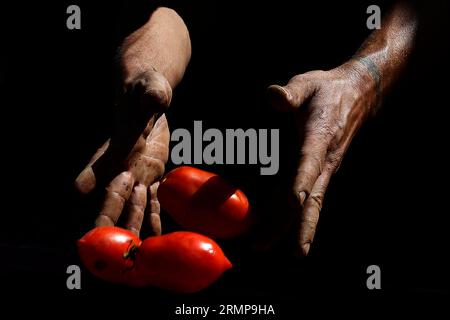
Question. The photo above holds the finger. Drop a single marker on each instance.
(312, 160)
(291, 96)
(117, 193)
(86, 180)
(158, 139)
(148, 164)
(154, 209)
(136, 206)
(309, 216)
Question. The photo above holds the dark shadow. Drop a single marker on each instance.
(213, 193)
(131, 118)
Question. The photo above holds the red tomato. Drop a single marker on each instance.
(180, 261)
(204, 202)
(109, 253)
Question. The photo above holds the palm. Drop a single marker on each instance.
(132, 181)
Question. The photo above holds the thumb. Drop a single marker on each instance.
(291, 96)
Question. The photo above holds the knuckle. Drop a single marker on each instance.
(154, 189)
(334, 159)
(138, 212)
(158, 168)
(104, 219)
(319, 73)
(116, 195)
(316, 199)
(124, 179)
(152, 87)
(160, 97)
(155, 207)
(296, 198)
(151, 164)
(122, 190)
(309, 223)
(139, 195)
(314, 74)
(314, 162)
(139, 189)
(299, 78)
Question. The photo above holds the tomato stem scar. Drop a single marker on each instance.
(131, 251)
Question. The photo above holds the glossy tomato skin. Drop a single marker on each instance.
(204, 202)
(109, 253)
(183, 262)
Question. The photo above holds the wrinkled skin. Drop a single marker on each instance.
(133, 182)
(329, 107)
(152, 61)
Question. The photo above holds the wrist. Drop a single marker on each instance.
(162, 44)
(364, 76)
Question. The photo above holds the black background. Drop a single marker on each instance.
(386, 205)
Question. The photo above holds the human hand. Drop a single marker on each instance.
(330, 106)
(132, 161)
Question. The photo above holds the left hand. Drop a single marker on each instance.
(131, 163)
(330, 106)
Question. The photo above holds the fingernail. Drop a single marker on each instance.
(302, 196)
(86, 181)
(280, 98)
(287, 93)
(305, 248)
